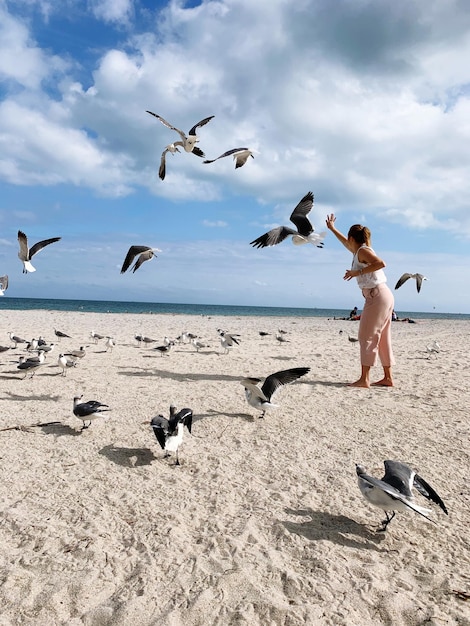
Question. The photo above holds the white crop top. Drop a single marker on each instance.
(371, 279)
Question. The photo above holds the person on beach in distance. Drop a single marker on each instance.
(375, 324)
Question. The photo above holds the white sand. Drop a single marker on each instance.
(263, 522)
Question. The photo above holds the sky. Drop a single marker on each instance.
(366, 103)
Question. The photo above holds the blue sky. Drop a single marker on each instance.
(366, 103)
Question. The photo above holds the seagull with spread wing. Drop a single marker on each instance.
(404, 277)
(188, 142)
(260, 397)
(145, 254)
(305, 232)
(240, 156)
(394, 491)
(169, 432)
(26, 254)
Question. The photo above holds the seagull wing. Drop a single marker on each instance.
(162, 168)
(299, 215)
(23, 241)
(185, 416)
(273, 237)
(199, 124)
(130, 256)
(242, 157)
(419, 281)
(4, 282)
(42, 244)
(252, 385)
(399, 476)
(395, 494)
(198, 152)
(403, 278)
(273, 382)
(160, 426)
(428, 492)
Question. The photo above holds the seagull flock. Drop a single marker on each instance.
(391, 493)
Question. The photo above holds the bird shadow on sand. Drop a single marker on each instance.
(60, 430)
(320, 525)
(128, 457)
(20, 398)
(213, 413)
(152, 373)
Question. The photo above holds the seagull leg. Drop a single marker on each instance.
(262, 414)
(386, 521)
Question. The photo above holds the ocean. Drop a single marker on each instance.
(109, 306)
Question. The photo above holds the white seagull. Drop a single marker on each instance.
(240, 156)
(15, 339)
(64, 363)
(404, 277)
(145, 254)
(394, 492)
(305, 232)
(169, 432)
(260, 397)
(110, 343)
(96, 336)
(3, 284)
(26, 254)
(88, 411)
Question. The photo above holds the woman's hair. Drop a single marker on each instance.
(360, 234)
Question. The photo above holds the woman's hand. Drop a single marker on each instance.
(348, 274)
(330, 221)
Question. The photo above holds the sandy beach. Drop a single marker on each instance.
(263, 522)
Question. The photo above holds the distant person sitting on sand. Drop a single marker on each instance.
(353, 314)
(394, 316)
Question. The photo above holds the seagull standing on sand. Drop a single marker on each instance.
(393, 493)
(96, 336)
(88, 411)
(305, 232)
(145, 254)
(260, 397)
(26, 254)
(32, 364)
(64, 363)
(227, 341)
(404, 277)
(3, 284)
(61, 335)
(169, 432)
(240, 156)
(110, 343)
(15, 339)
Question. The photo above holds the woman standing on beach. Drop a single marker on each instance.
(375, 324)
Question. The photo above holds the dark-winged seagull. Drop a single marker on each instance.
(26, 254)
(394, 491)
(60, 334)
(88, 411)
(305, 232)
(145, 254)
(240, 156)
(260, 397)
(3, 284)
(227, 340)
(16, 340)
(169, 432)
(404, 277)
(96, 336)
(172, 148)
(31, 364)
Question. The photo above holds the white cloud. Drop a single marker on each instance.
(119, 11)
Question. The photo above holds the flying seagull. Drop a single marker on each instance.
(404, 277)
(305, 232)
(145, 254)
(240, 156)
(3, 284)
(393, 493)
(260, 397)
(188, 142)
(88, 411)
(169, 432)
(26, 254)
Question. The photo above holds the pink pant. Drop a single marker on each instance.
(375, 337)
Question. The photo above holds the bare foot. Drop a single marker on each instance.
(385, 382)
(360, 383)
